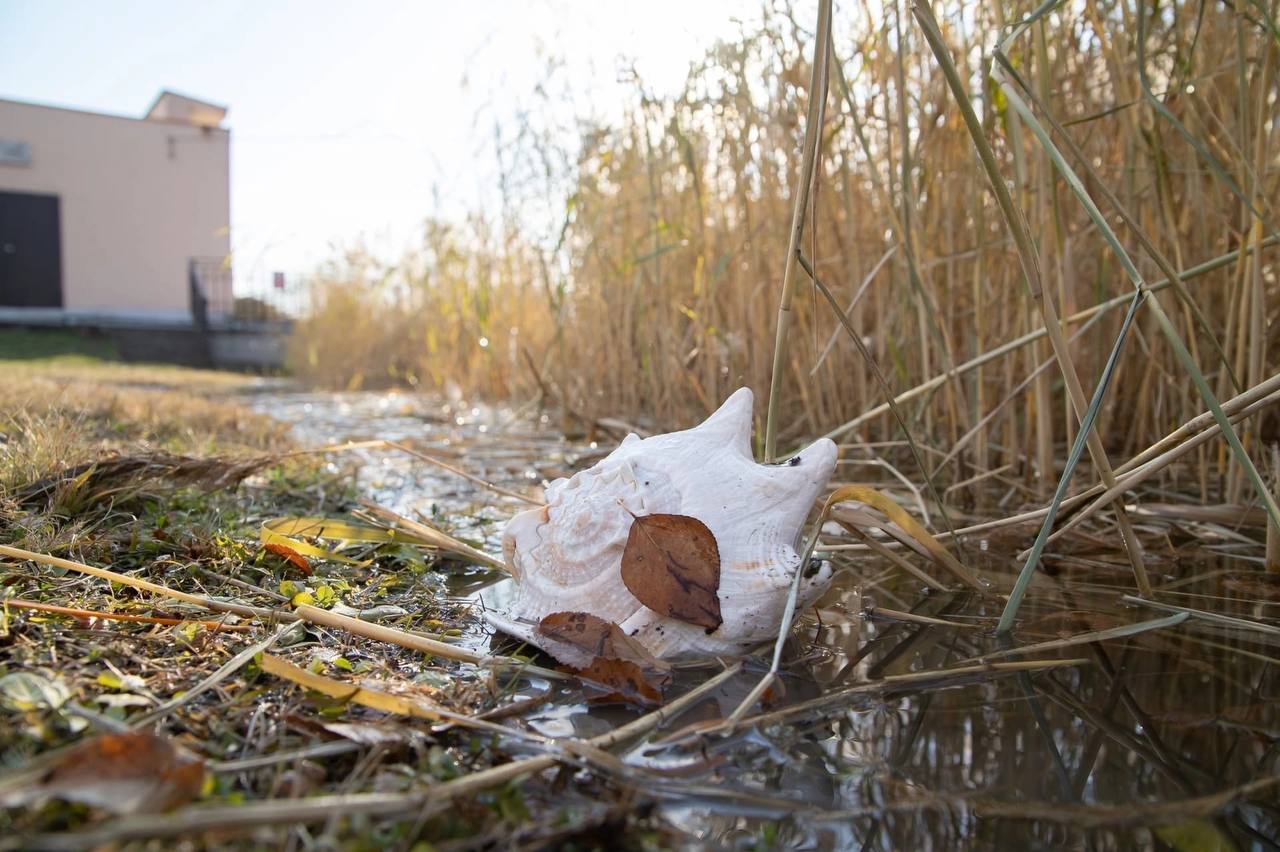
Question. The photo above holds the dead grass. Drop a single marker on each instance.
(64, 412)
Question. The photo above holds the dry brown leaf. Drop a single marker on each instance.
(615, 661)
(288, 554)
(672, 565)
(627, 681)
(125, 773)
(595, 636)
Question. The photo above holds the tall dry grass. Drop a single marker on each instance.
(460, 310)
(656, 294)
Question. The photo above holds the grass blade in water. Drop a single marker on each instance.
(1086, 426)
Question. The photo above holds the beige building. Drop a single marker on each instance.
(103, 216)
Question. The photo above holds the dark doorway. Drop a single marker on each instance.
(30, 251)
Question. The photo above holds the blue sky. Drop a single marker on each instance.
(349, 120)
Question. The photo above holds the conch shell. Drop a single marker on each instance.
(567, 555)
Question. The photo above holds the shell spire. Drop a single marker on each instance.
(567, 555)
(731, 422)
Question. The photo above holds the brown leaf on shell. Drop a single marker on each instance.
(617, 662)
(293, 557)
(124, 773)
(628, 682)
(597, 637)
(671, 563)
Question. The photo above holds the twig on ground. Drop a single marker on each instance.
(87, 614)
(125, 580)
(414, 642)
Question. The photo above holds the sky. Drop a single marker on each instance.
(349, 121)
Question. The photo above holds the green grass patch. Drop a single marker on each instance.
(39, 345)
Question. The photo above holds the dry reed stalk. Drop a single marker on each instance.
(433, 536)
(804, 184)
(1122, 631)
(88, 614)
(836, 698)
(975, 364)
(1171, 336)
(1129, 480)
(1190, 435)
(144, 585)
(415, 642)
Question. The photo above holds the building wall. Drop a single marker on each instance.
(138, 199)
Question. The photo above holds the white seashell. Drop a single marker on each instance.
(567, 555)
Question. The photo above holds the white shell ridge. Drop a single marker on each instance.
(567, 555)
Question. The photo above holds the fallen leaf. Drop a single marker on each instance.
(121, 682)
(672, 565)
(126, 773)
(601, 652)
(595, 637)
(288, 554)
(627, 681)
(346, 693)
(846, 516)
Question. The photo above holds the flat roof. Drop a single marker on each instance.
(177, 108)
(115, 115)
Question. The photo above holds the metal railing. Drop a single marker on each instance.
(218, 299)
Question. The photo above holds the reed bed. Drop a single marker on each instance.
(651, 290)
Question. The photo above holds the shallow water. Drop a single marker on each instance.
(1093, 755)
